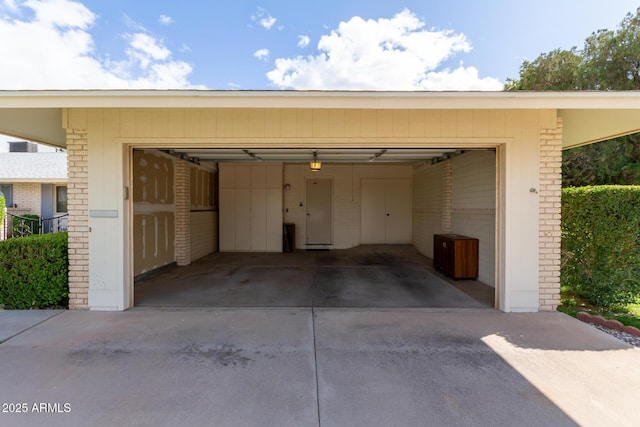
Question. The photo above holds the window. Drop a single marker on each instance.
(7, 193)
(61, 199)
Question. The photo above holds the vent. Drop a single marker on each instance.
(23, 147)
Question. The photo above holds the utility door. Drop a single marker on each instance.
(319, 211)
(386, 211)
(398, 211)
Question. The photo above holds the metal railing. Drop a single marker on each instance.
(23, 226)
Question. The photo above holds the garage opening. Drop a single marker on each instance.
(313, 227)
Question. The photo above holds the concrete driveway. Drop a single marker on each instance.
(311, 367)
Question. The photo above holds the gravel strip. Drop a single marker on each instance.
(628, 338)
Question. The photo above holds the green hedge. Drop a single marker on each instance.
(601, 243)
(33, 272)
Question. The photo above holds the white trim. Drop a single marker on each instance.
(318, 99)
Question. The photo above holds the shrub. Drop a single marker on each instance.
(25, 225)
(601, 243)
(2, 206)
(33, 272)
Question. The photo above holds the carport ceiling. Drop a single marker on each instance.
(329, 155)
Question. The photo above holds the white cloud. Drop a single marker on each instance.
(262, 54)
(58, 39)
(303, 41)
(267, 22)
(148, 47)
(387, 54)
(263, 18)
(165, 20)
(61, 13)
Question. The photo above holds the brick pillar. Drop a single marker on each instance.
(550, 214)
(183, 213)
(447, 190)
(78, 226)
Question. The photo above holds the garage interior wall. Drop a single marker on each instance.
(251, 217)
(250, 207)
(204, 212)
(428, 200)
(473, 203)
(347, 210)
(154, 210)
(458, 196)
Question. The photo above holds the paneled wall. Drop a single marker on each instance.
(153, 210)
(250, 207)
(204, 213)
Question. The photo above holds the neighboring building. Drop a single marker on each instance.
(161, 177)
(34, 183)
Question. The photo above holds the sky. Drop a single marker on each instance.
(285, 45)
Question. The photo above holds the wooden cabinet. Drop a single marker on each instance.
(456, 256)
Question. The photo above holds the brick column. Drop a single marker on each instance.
(78, 209)
(447, 190)
(550, 213)
(183, 213)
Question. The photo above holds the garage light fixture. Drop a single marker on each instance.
(315, 165)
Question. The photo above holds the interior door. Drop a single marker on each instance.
(319, 211)
(398, 211)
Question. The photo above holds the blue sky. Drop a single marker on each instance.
(329, 44)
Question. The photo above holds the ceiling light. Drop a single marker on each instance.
(315, 165)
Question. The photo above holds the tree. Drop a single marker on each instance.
(609, 60)
(556, 70)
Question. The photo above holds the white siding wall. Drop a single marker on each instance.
(473, 205)
(427, 207)
(204, 236)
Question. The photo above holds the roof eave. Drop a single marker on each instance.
(317, 99)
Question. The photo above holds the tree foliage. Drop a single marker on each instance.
(609, 60)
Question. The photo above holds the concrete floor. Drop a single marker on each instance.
(316, 367)
(370, 276)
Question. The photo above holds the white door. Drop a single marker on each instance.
(386, 211)
(319, 211)
(398, 215)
